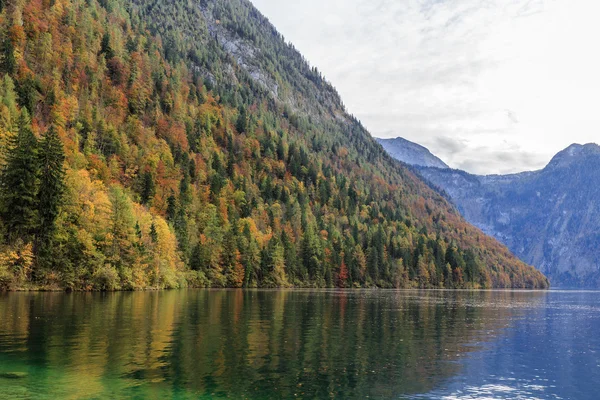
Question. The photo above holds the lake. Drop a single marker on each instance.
(301, 344)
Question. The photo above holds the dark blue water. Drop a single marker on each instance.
(301, 344)
(550, 351)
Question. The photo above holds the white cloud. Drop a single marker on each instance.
(511, 81)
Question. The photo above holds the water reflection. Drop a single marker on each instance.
(551, 352)
(249, 344)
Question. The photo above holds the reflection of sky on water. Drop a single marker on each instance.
(551, 352)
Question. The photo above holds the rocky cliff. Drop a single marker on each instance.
(549, 218)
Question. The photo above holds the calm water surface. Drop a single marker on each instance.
(301, 344)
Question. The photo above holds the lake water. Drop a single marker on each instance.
(301, 344)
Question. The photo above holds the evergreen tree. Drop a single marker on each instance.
(7, 52)
(181, 231)
(19, 183)
(105, 47)
(472, 267)
(171, 208)
(229, 247)
(311, 254)
(373, 263)
(274, 262)
(148, 187)
(196, 261)
(138, 230)
(51, 189)
(153, 233)
(290, 255)
(242, 121)
(185, 193)
(250, 257)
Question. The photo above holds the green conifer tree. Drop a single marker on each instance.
(153, 233)
(52, 185)
(19, 183)
(7, 51)
(148, 187)
(171, 208)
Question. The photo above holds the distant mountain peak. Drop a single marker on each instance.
(550, 217)
(411, 153)
(574, 153)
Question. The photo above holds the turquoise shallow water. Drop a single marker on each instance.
(300, 344)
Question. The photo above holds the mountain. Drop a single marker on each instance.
(411, 153)
(549, 218)
(158, 144)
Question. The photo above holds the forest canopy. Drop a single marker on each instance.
(165, 144)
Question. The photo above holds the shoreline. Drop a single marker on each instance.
(291, 288)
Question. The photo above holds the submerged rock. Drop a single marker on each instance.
(13, 375)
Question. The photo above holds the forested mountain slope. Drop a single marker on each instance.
(173, 143)
(550, 218)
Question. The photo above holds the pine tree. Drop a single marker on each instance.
(250, 257)
(229, 247)
(52, 186)
(171, 208)
(148, 187)
(241, 124)
(291, 256)
(19, 183)
(373, 263)
(180, 224)
(185, 193)
(274, 262)
(7, 52)
(138, 230)
(196, 260)
(105, 47)
(311, 253)
(153, 233)
(359, 264)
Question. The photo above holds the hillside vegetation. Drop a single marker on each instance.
(163, 144)
(548, 217)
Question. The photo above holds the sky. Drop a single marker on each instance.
(489, 86)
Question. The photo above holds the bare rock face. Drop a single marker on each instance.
(549, 218)
(250, 57)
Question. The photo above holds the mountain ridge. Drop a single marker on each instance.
(411, 153)
(573, 152)
(548, 217)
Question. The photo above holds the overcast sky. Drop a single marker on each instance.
(489, 86)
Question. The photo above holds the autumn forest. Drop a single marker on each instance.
(170, 144)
